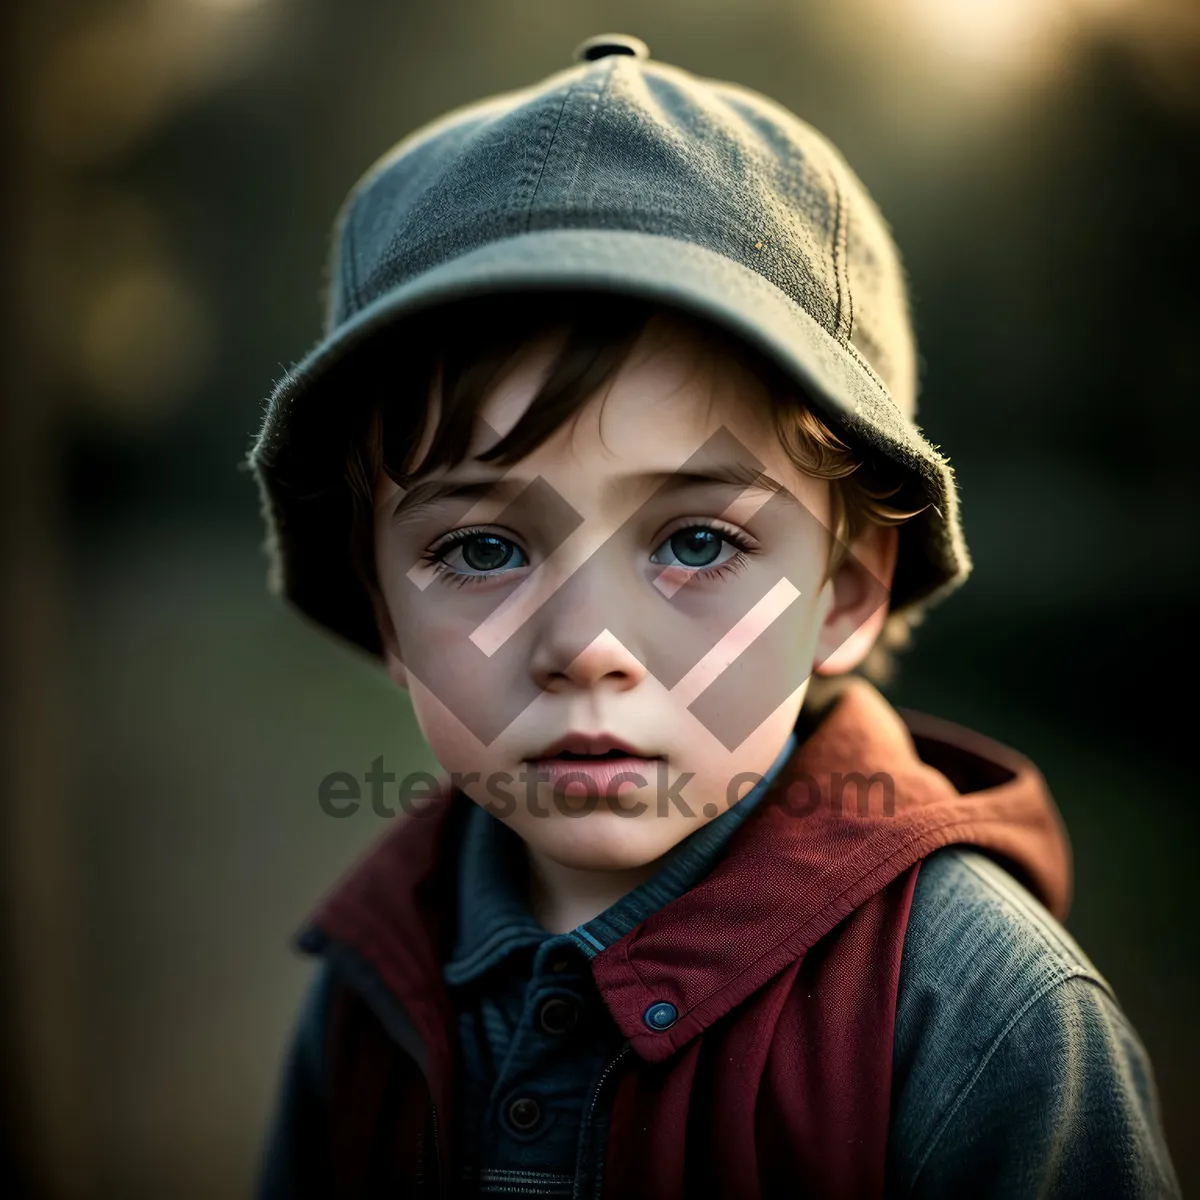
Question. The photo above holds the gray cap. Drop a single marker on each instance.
(624, 175)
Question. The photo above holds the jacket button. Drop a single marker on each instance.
(661, 1015)
(557, 1015)
(524, 1112)
(605, 44)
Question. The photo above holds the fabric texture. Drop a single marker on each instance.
(632, 177)
(1016, 1072)
(784, 966)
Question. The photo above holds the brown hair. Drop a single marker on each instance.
(596, 333)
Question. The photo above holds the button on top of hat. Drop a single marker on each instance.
(605, 44)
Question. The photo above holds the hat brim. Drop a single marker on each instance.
(933, 559)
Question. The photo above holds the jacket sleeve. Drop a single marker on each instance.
(295, 1161)
(1063, 1104)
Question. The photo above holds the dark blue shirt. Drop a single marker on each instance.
(534, 1031)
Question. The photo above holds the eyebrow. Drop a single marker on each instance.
(727, 474)
(432, 492)
(423, 496)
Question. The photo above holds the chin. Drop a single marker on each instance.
(602, 847)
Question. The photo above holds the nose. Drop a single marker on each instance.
(603, 662)
(575, 647)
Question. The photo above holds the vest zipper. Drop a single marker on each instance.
(440, 1189)
(586, 1139)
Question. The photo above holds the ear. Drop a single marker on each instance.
(387, 636)
(856, 609)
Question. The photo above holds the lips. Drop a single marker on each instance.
(585, 747)
(582, 764)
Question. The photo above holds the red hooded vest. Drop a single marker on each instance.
(783, 965)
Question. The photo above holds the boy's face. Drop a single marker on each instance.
(622, 582)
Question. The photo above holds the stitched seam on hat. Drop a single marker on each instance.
(601, 92)
(866, 366)
(348, 271)
(840, 277)
(846, 260)
(546, 158)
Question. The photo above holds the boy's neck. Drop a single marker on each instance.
(561, 898)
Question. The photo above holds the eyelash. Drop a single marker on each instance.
(735, 537)
(435, 556)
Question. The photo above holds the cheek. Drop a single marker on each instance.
(464, 698)
(759, 691)
(454, 744)
(770, 617)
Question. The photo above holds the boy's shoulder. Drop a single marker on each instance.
(975, 931)
(1006, 1033)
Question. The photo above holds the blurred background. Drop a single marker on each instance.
(174, 168)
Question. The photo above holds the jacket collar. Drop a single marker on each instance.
(796, 867)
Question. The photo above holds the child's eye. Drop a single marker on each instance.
(473, 554)
(700, 547)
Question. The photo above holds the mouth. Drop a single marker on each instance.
(575, 756)
(587, 763)
(585, 748)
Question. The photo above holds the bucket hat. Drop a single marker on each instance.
(629, 176)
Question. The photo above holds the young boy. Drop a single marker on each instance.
(609, 456)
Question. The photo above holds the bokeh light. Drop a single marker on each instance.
(144, 343)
